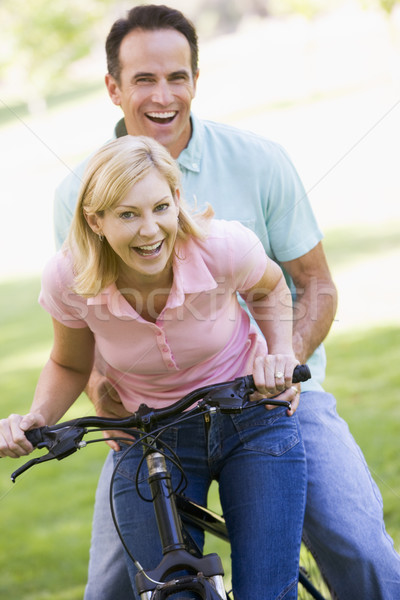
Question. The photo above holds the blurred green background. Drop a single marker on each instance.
(321, 78)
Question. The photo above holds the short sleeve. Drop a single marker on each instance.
(289, 219)
(56, 295)
(65, 200)
(247, 255)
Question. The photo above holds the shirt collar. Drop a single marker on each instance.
(190, 157)
(191, 273)
(113, 299)
(120, 129)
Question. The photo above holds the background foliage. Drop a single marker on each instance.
(42, 39)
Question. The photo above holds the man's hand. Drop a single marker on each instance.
(106, 402)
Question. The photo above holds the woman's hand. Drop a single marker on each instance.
(272, 375)
(13, 442)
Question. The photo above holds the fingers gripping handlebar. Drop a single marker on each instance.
(300, 373)
(60, 444)
(65, 438)
(233, 396)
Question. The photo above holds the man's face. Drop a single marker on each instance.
(156, 87)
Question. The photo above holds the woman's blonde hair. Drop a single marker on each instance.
(109, 176)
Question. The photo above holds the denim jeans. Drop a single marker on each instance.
(258, 459)
(343, 521)
(344, 526)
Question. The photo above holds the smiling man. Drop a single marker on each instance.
(152, 59)
(155, 86)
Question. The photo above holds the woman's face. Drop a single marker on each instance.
(142, 229)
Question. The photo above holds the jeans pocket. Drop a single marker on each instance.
(272, 433)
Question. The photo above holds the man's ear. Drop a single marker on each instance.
(93, 221)
(113, 89)
(195, 80)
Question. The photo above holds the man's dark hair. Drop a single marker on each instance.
(149, 17)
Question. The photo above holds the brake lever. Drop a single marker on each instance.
(229, 398)
(60, 444)
(234, 397)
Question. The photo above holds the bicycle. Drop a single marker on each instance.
(202, 575)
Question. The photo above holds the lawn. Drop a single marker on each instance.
(46, 516)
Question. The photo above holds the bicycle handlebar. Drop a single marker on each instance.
(65, 438)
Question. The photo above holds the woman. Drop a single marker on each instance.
(154, 291)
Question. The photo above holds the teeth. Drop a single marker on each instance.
(149, 248)
(164, 115)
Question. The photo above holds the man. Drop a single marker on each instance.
(152, 74)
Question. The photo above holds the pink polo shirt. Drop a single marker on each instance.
(202, 336)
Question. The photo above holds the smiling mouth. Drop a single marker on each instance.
(162, 118)
(150, 250)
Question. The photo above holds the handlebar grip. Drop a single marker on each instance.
(35, 436)
(301, 373)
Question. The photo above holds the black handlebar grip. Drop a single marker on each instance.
(35, 436)
(301, 373)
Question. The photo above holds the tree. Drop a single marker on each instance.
(42, 38)
(387, 5)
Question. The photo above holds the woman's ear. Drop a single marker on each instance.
(93, 221)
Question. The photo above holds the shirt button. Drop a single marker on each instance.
(165, 349)
(195, 166)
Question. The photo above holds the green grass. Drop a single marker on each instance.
(365, 378)
(45, 518)
(349, 245)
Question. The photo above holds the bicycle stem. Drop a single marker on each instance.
(175, 553)
(164, 505)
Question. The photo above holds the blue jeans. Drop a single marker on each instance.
(343, 521)
(258, 460)
(344, 526)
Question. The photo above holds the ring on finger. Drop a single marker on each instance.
(279, 375)
(296, 391)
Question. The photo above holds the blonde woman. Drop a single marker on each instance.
(148, 293)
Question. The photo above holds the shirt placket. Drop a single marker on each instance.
(164, 348)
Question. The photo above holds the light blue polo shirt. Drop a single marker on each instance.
(244, 177)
